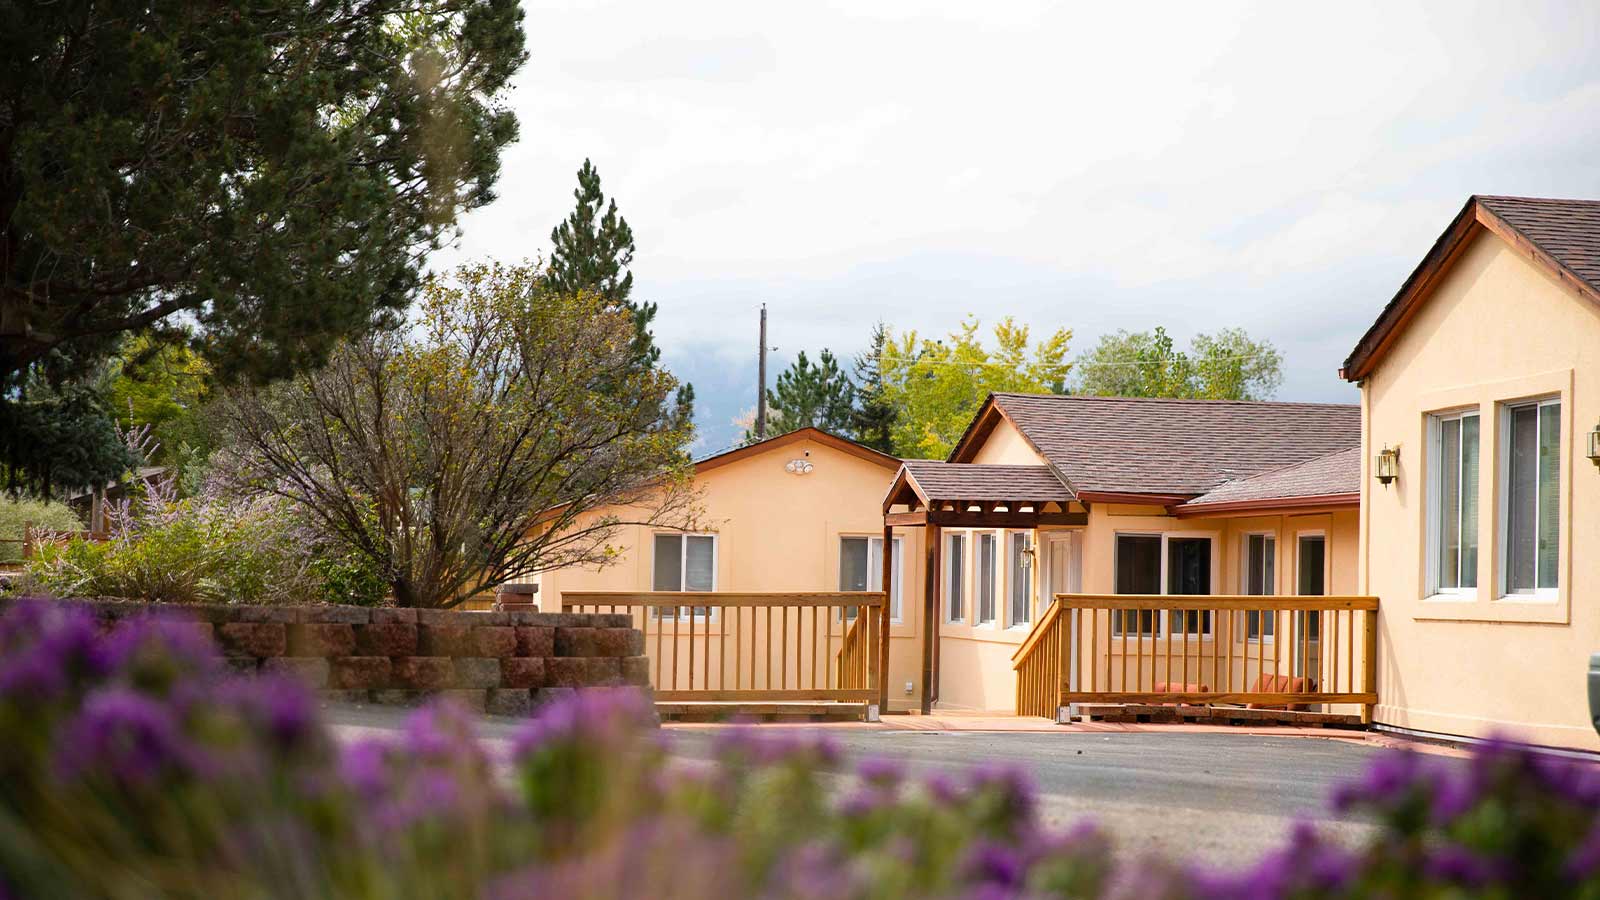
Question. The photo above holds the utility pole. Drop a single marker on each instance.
(761, 391)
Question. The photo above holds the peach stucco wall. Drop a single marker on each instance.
(1497, 328)
(776, 532)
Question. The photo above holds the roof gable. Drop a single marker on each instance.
(1158, 446)
(1562, 237)
(843, 445)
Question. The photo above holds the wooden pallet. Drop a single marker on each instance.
(1215, 715)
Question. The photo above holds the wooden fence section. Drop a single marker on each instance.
(1278, 652)
(18, 550)
(724, 646)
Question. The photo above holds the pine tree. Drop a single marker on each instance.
(807, 395)
(872, 420)
(592, 250)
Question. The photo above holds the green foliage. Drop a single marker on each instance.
(271, 173)
(873, 418)
(810, 396)
(164, 386)
(1227, 365)
(937, 386)
(55, 439)
(198, 551)
(469, 450)
(17, 514)
(591, 251)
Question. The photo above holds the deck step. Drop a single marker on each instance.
(774, 710)
(1216, 715)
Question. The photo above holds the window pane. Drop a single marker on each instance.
(854, 564)
(668, 563)
(1468, 575)
(1189, 572)
(1549, 493)
(986, 578)
(1448, 510)
(897, 572)
(1522, 499)
(1261, 579)
(955, 584)
(1021, 587)
(698, 572)
(1313, 552)
(1138, 572)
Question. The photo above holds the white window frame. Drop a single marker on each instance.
(1030, 545)
(896, 577)
(949, 576)
(1163, 615)
(994, 581)
(1503, 508)
(1327, 577)
(683, 570)
(1431, 503)
(1244, 584)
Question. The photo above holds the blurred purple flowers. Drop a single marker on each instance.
(137, 739)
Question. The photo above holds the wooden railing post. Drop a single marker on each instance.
(1370, 663)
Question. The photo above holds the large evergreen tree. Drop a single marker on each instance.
(872, 420)
(591, 250)
(268, 174)
(810, 395)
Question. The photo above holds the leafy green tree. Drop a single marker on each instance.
(937, 386)
(873, 418)
(1228, 365)
(809, 395)
(484, 446)
(164, 386)
(55, 439)
(591, 250)
(270, 174)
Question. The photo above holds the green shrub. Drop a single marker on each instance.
(16, 514)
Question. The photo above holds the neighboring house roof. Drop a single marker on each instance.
(843, 445)
(1561, 236)
(935, 480)
(1162, 449)
(1333, 480)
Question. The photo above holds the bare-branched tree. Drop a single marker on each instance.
(508, 434)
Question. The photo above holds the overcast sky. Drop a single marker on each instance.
(1279, 167)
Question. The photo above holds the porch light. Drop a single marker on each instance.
(1594, 446)
(798, 467)
(1387, 464)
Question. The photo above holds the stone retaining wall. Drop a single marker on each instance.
(503, 663)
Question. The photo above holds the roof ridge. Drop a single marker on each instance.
(1287, 466)
(1197, 400)
(1536, 199)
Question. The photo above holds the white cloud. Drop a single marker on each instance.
(1099, 166)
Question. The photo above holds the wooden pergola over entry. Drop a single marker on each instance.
(936, 495)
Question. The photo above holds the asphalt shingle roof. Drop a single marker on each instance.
(969, 481)
(1567, 230)
(1336, 473)
(1162, 446)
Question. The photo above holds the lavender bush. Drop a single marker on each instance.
(132, 766)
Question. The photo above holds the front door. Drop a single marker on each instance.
(1063, 575)
(1311, 559)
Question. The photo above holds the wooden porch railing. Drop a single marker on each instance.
(724, 646)
(1167, 649)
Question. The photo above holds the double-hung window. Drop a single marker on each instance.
(1453, 503)
(986, 552)
(1260, 580)
(1530, 516)
(1021, 585)
(684, 562)
(955, 583)
(861, 569)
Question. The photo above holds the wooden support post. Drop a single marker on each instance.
(930, 613)
(1370, 664)
(884, 618)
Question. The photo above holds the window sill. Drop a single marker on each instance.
(1550, 608)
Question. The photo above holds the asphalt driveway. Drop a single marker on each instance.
(1218, 796)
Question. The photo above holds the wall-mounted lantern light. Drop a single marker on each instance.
(1594, 446)
(1386, 466)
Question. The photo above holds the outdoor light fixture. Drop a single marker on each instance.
(1387, 464)
(1594, 446)
(798, 467)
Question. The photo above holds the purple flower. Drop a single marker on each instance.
(364, 765)
(1584, 861)
(881, 771)
(278, 708)
(995, 863)
(130, 737)
(46, 649)
(601, 718)
(155, 650)
(1458, 865)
